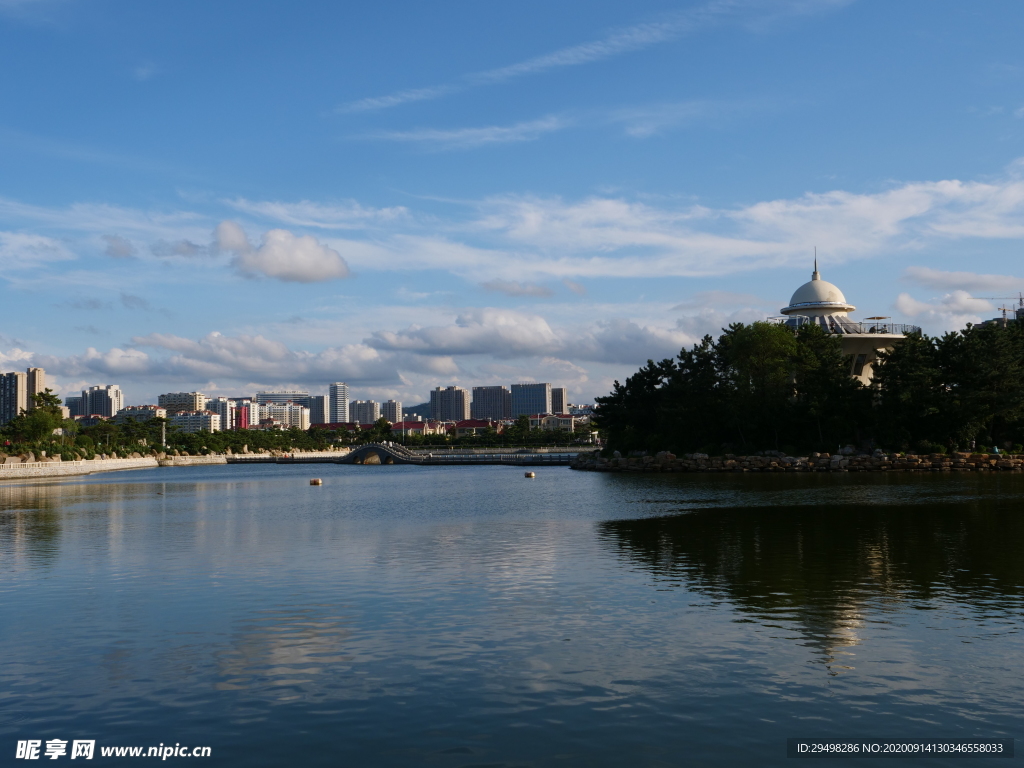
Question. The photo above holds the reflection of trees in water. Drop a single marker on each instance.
(816, 568)
(32, 515)
(29, 523)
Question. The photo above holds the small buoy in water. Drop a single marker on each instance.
(531, 474)
(316, 481)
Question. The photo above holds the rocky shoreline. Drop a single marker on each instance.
(816, 462)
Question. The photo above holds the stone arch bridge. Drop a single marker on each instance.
(392, 453)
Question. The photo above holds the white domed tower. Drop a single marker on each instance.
(821, 303)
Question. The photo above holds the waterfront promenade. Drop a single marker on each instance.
(369, 454)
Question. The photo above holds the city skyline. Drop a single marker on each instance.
(569, 191)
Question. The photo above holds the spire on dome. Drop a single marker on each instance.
(815, 275)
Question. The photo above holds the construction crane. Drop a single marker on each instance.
(1019, 298)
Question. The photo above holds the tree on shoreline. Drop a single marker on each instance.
(765, 387)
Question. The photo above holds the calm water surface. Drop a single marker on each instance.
(466, 616)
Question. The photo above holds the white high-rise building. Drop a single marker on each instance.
(392, 411)
(225, 409)
(36, 382)
(102, 400)
(364, 411)
(338, 403)
(195, 421)
(285, 414)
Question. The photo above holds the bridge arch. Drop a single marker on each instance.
(382, 453)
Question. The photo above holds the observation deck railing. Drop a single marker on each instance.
(848, 327)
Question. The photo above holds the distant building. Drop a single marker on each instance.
(392, 411)
(74, 405)
(285, 396)
(319, 409)
(36, 382)
(224, 408)
(417, 428)
(552, 422)
(102, 400)
(175, 402)
(821, 303)
(470, 427)
(364, 411)
(195, 421)
(491, 403)
(449, 404)
(285, 415)
(338, 403)
(245, 414)
(17, 392)
(13, 395)
(139, 413)
(528, 399)
(559, 401)
(582, 410)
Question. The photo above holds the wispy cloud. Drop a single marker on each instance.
(578, 288)
(513, 288)
(462, 138)
(963, 281)
(649, 120)
(344, 215)
(616, 43)
(144, 72)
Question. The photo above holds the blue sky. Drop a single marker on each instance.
(235, 196)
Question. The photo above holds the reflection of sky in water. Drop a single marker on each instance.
(423, 616)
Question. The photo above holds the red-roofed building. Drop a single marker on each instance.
(469, 427)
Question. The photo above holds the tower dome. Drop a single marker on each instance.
(817, 297)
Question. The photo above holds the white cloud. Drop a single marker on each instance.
(282, 255)
(951, 312)
(512, 288)
(507, 334)
(502, 333)
(462, 138)
(240, 359)
(965, 281)
(229, 236)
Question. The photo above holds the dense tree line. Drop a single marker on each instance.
(765, 387)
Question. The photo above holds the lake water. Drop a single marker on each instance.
(467, 616)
